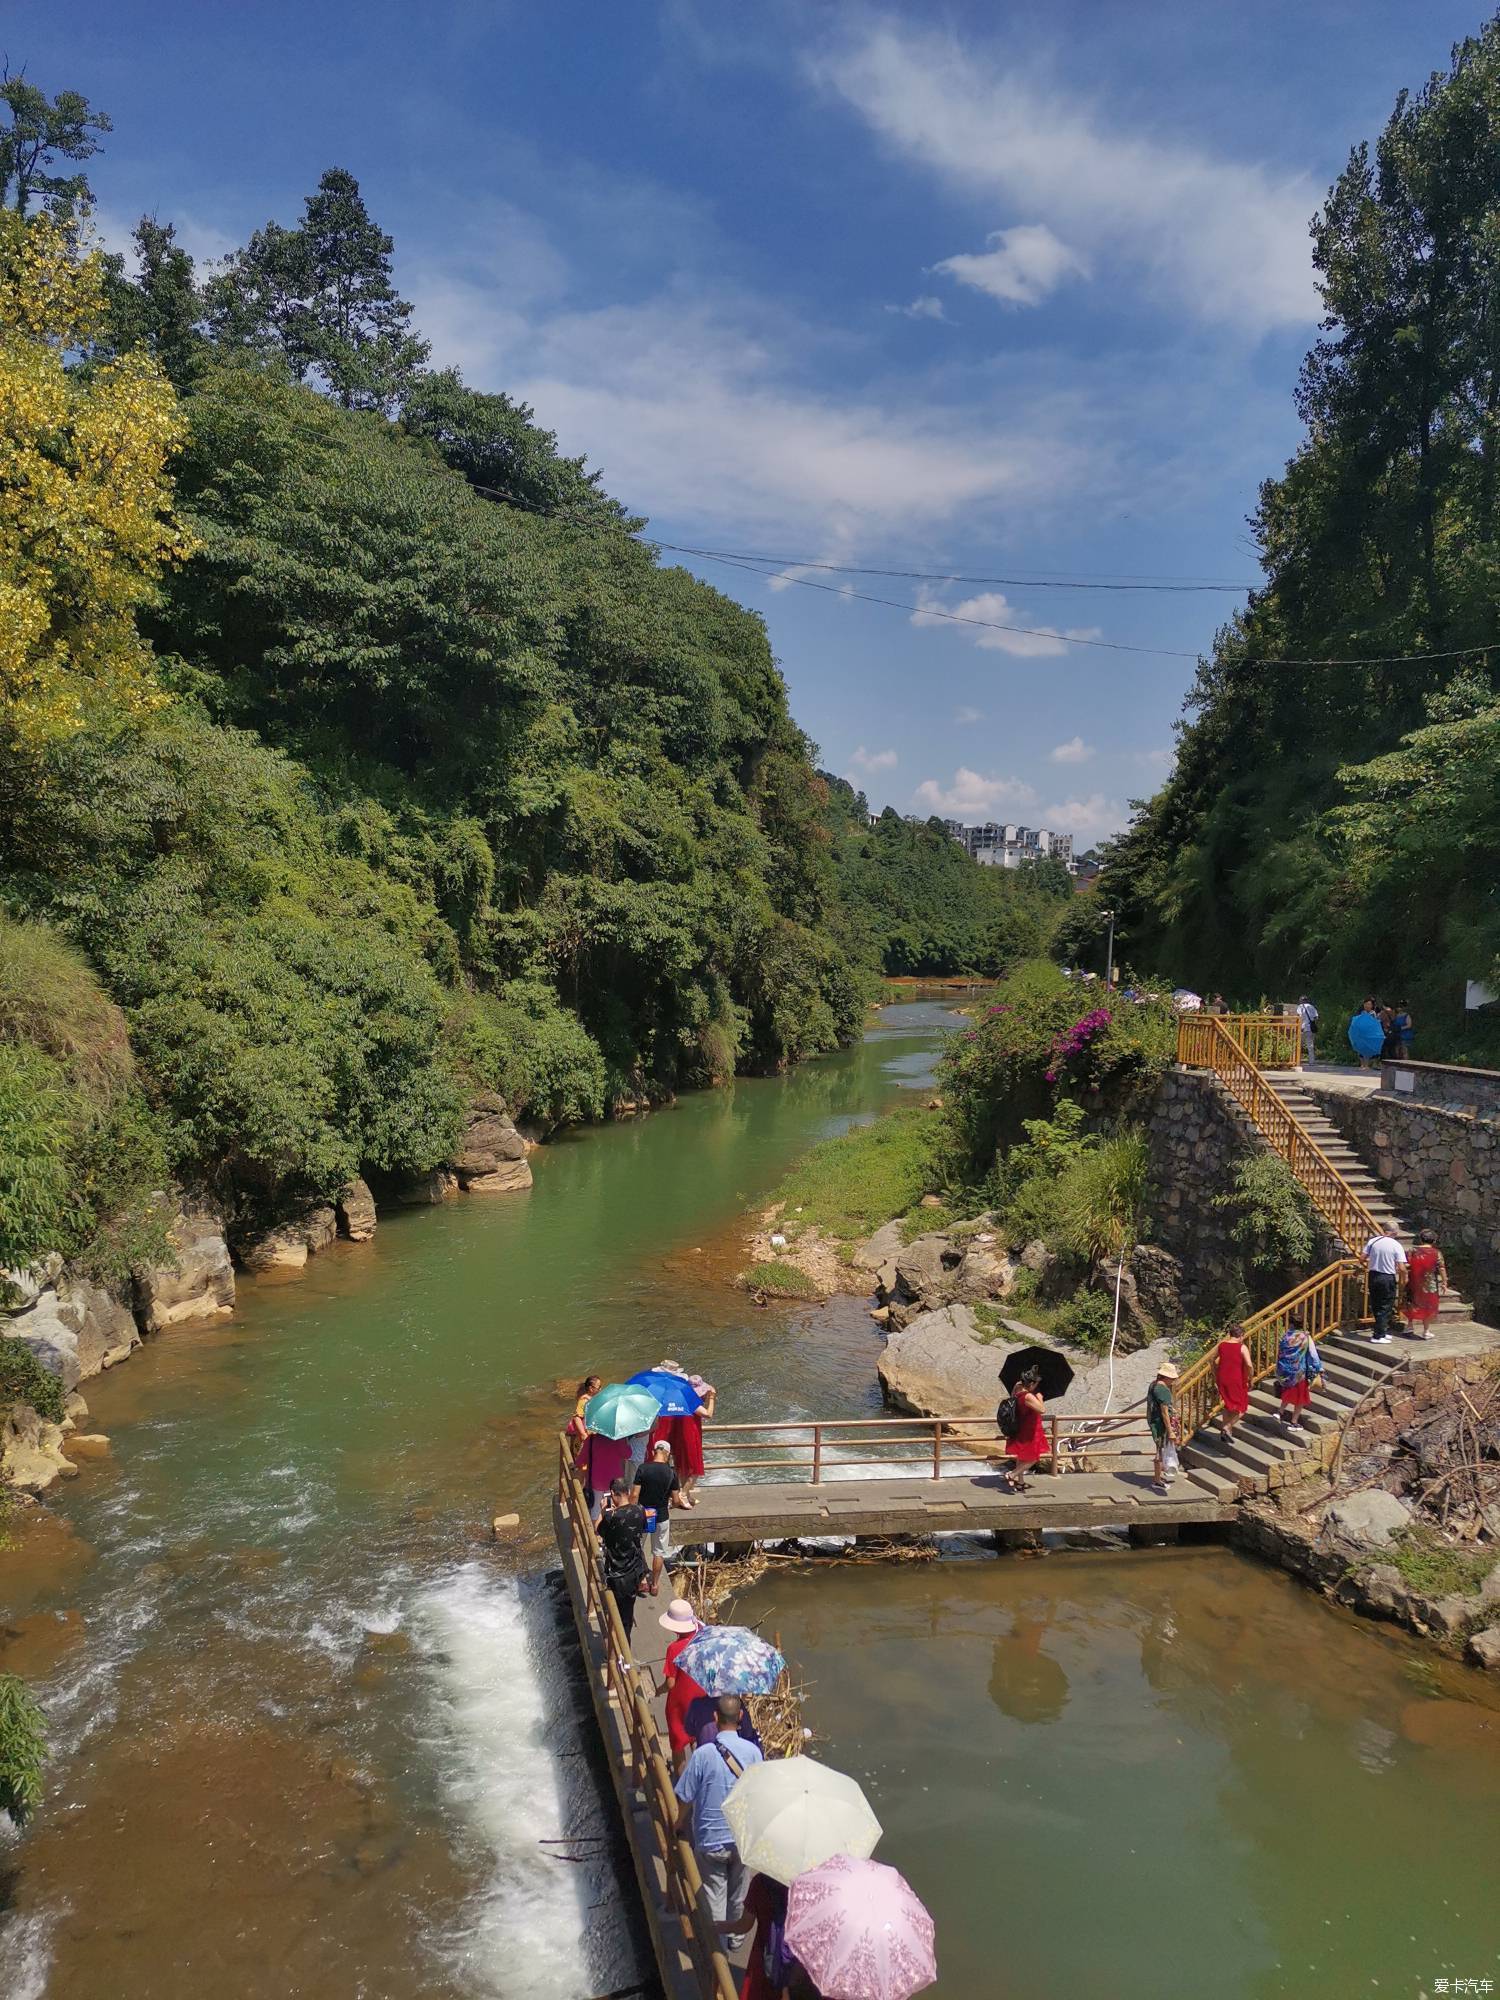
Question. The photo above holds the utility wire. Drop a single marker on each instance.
(1055, 580)
(747, 565)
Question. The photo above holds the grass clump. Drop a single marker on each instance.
(779, 1279)
(1434, 1567)
(23, 1379)
(847, 1187)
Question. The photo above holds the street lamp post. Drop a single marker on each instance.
(1109, 961)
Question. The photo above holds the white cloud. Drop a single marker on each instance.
(1027, 640)
(925, 307)
(972, 795)
(871, 761)
(967, 715)
(1225, 238)
(1021, 266)
(1074, 751)
(1088, 819)
(1158, 761)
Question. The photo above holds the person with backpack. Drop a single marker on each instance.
(1019, 1422)
(708, 1777)
(772, 1970)
(1307, 1015)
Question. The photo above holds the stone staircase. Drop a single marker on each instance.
(1263, 1447)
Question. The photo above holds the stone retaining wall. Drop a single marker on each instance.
(1453, 1085)
(1443, 1170)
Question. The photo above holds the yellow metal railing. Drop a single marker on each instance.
(1205, 1042)
(1269, 1041)
(1332, 1299)
(650, 1758)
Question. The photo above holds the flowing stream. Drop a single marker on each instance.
(315, 1732)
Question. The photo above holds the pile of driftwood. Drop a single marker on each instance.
(712, 1585)
(1453, 1462)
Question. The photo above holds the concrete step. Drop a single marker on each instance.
(1255, 1452)
(1343, 1391)
(1219, 1484)
(1265, 1416)
(1356, 1353)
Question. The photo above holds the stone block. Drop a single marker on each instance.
(1483, 1648)
(199, 1284)
(507, 1178)
(355, 1208)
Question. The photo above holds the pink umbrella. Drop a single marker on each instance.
(860, 1931)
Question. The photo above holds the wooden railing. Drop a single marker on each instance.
(1333, 1299)
(650, 1760)
(1269, 1041)
(1204, 1042)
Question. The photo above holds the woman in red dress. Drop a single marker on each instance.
(1426, 1279)
(685, 1434)
(1232, 1377)
(1030, 1441)
(682, 1689)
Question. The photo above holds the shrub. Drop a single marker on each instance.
(37, 1127)
(1086, 1319)
(50, 997)
(23, 1748)
(1429, 1564)
(780, 1279)
(1271, 1219)
(540, 1057)
(23, 1379)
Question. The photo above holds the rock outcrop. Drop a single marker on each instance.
(31, 1453)
(74, 1328)
(491, 1158)
(288, 1246)
(1365, 1520)
(355, 1208)
(427, 1190)
(199, 1284)
(938, 1364)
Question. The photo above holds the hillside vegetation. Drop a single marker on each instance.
(363, 754)
(1333, 820)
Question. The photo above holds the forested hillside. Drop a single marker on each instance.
(360, 753)
(1334, 815)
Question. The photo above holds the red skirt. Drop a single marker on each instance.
(1294, 1395)
(1232, 1379)
(1030, 1441)
(685, 1436)
(1422, 1289)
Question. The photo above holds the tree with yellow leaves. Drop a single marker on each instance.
(85, 501)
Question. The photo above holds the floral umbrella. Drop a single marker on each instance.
(860, 1931)
(789, 1814)
(731, 1659)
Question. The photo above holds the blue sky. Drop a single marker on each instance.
(988, 291)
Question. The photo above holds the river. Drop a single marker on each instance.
(316, 1733)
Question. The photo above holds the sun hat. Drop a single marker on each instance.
(1167, 1371)
(679, 1616)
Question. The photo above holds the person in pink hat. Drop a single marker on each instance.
(682, 1689)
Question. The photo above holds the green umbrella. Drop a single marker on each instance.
(621, 1410)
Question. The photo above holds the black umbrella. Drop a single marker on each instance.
(1055, 1370)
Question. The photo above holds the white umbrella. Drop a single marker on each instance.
(790, 1814)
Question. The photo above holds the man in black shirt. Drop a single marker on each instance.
(656, 1485)
(620, 1529)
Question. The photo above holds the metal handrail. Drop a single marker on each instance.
(1203, 1042)
(1330, 1300)
(650, 1761)
(1270, 1041)
(877, 1441)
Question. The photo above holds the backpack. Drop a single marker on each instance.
(1008, 1417)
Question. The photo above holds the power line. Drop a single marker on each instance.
(747, 565)
(1053, 580)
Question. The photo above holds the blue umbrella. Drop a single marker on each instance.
(731, 1659)
(621, 1410)
(675, 1393)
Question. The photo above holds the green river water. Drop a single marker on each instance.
(315, 1733)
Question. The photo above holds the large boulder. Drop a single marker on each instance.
(1150, 1295)
(31, 1453)
(939, 1366)
(356, 1211)
(75, 1329)
(490, 1143)
(198, 1284)
(1484, 1648)
(22, 1288)
(987, 1270)
(427, 1190)
(1367, 1519)
(284, 1248)
(507, 1177)
(923, 1269)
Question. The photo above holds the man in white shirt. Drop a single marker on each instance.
(1384, 1259)
(1307, 1014)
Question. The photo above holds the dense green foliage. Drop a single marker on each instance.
(917, 904)
(81, 1155)
(23, 1747)
(1336, 823)
(459, 787)
(1041, 1038)
(23, 1379)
